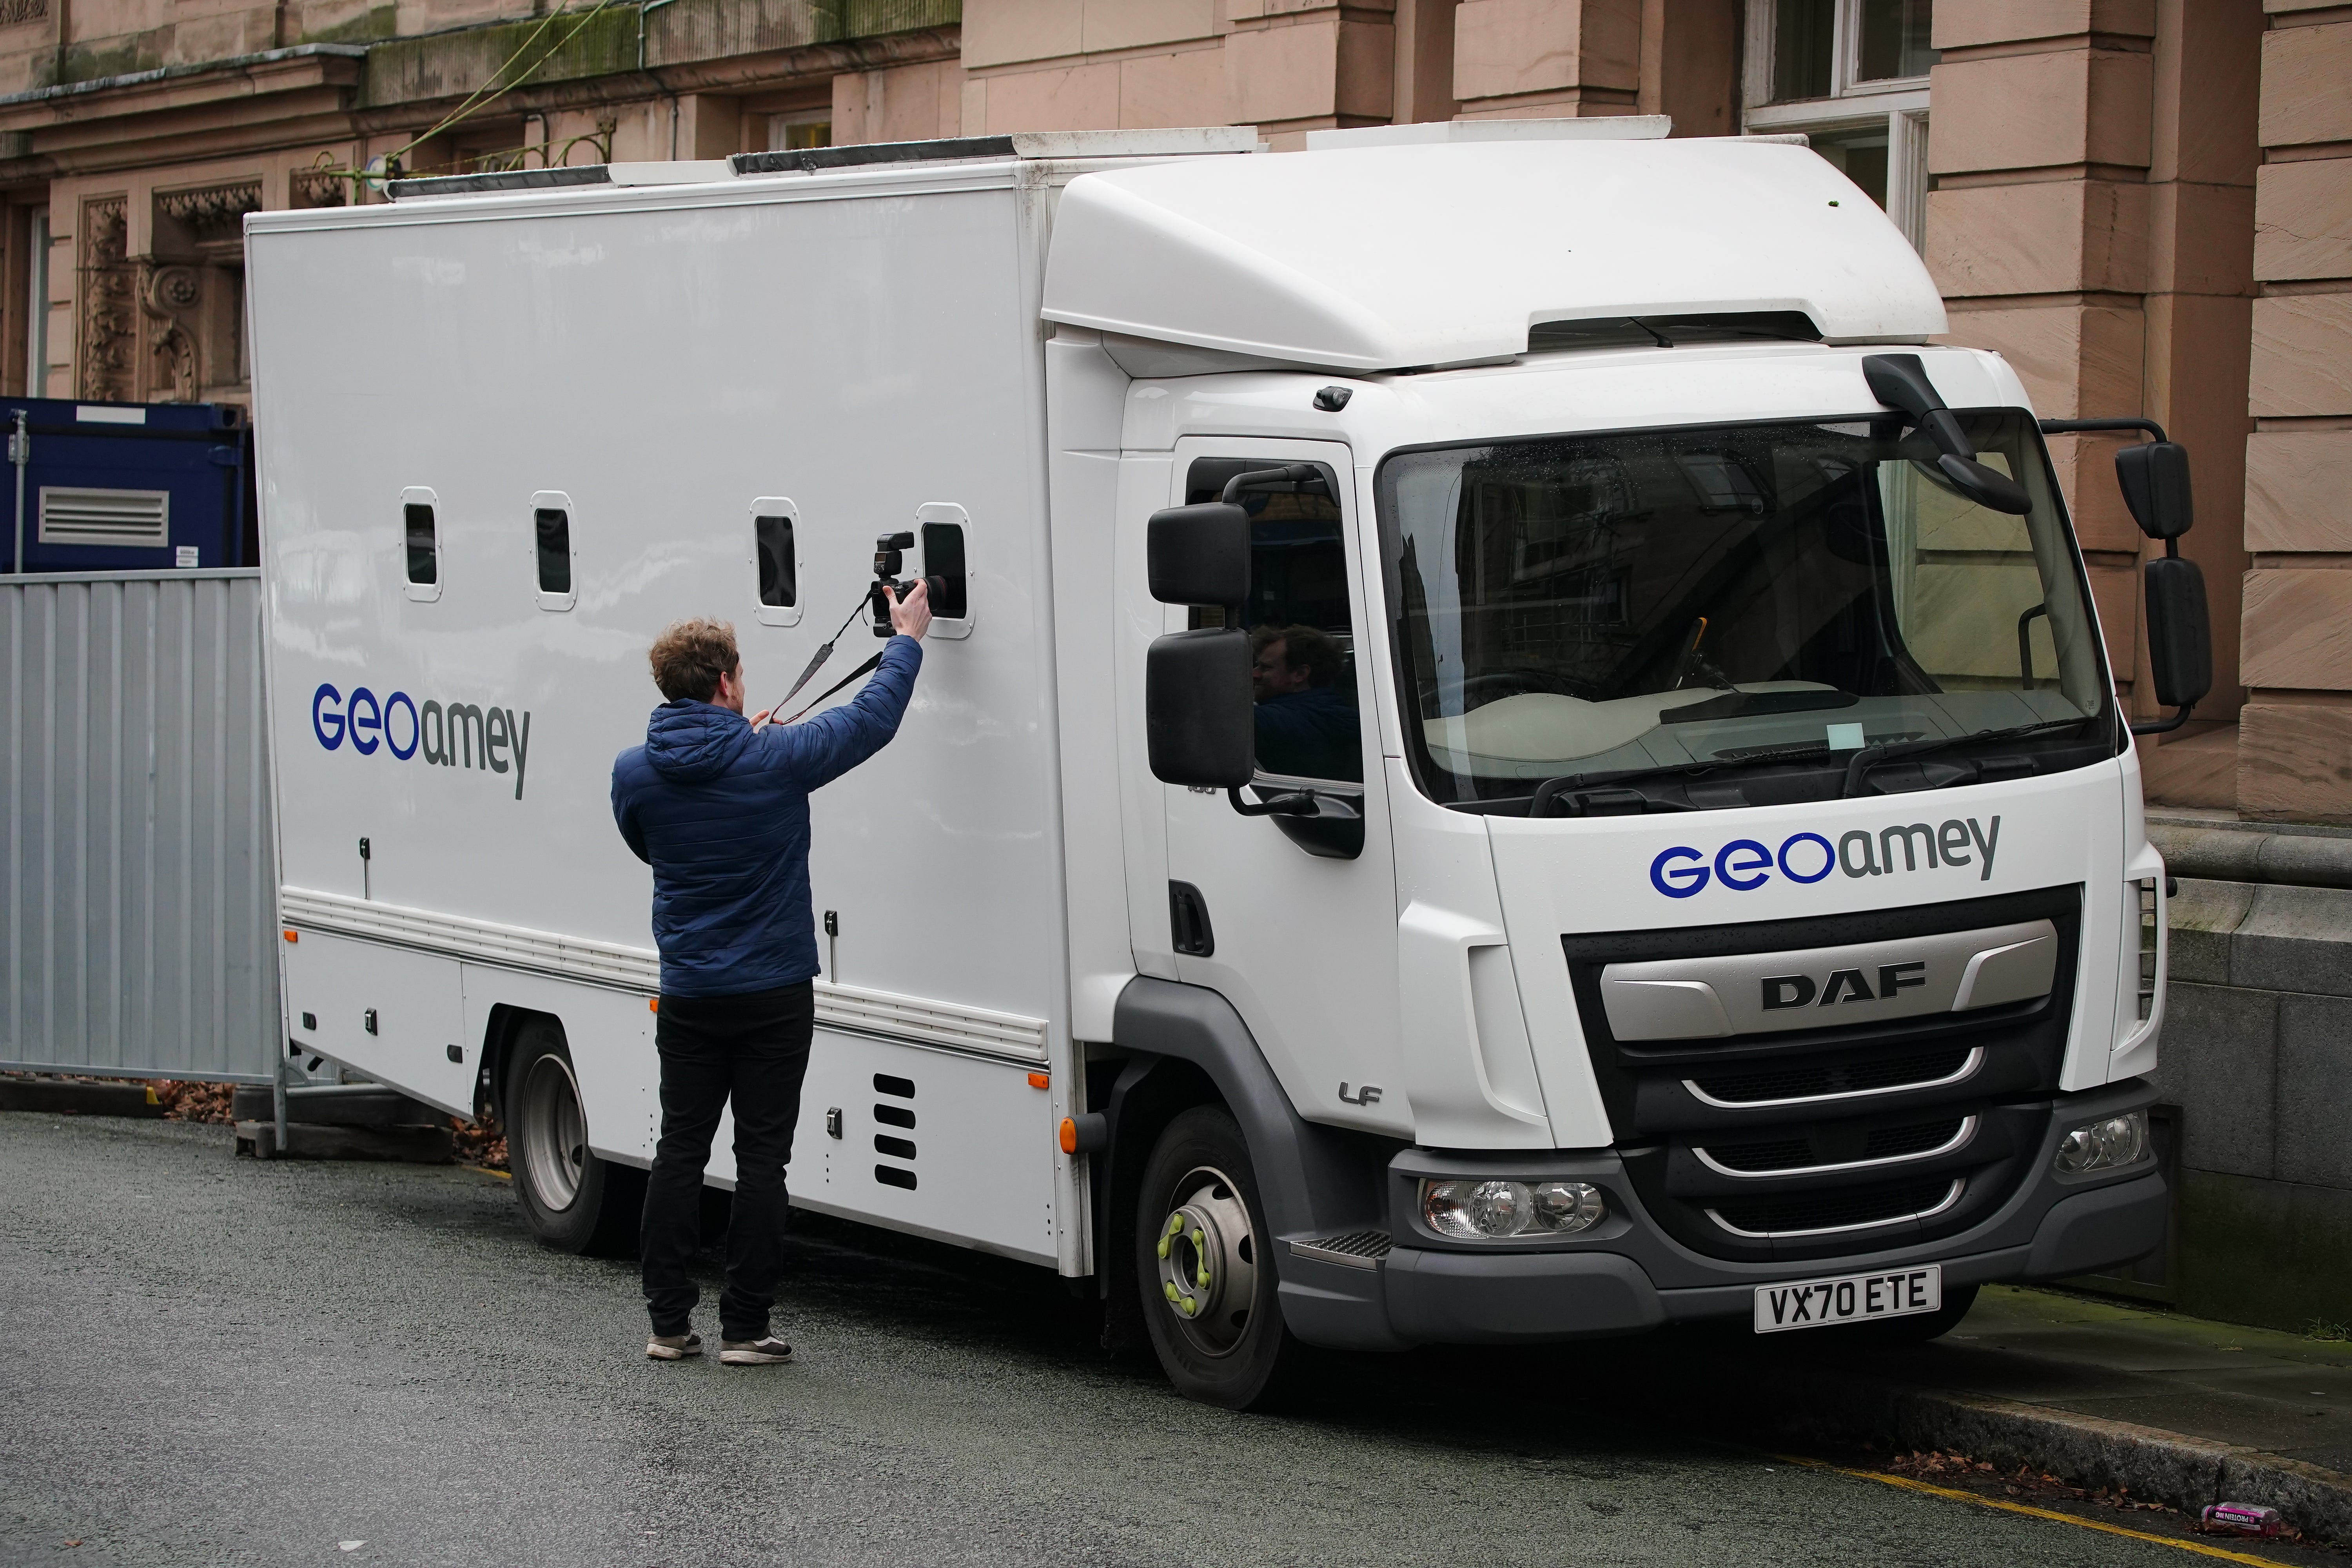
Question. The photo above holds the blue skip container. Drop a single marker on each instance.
(125, 487)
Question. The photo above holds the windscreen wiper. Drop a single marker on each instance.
(1579, 784)
(1870, 757)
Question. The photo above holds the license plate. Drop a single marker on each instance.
(1848, 1299)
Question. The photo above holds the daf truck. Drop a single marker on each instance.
(1513, 750)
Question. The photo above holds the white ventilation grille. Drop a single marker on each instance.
(133, 519)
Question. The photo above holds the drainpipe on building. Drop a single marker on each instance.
(20, 452)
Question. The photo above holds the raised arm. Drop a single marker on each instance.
(821, 748)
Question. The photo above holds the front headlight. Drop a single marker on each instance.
(1474, 1210)
(2107, 1145)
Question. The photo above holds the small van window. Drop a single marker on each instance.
(778, 576)
(943, 559)
(424, 557)
(554, 528)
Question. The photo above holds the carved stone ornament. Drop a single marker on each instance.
(318, 188)
(212, 212)
(13, 12)
(109, 309)
(174, 289)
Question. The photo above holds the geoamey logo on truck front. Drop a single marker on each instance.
(1745, 865)
(450, 736)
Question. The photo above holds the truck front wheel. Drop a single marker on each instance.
(572, 1201)
(1205, 1266)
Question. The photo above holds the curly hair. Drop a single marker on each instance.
(689, 657)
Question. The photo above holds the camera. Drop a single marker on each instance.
(889, 559)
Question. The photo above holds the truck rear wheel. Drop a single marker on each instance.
(572, 1201)
(1205, 1265)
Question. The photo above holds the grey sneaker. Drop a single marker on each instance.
(765, 1351)
(674, 1347)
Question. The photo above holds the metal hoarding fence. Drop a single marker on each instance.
(137, 914)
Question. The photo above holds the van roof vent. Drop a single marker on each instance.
(809, 160)
(1160, 143)
(510, 179)
(685, 172)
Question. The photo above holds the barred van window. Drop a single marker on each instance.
(779, 574)
(554, 529)
(424, 553)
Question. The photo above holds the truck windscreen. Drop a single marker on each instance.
(1729, 599)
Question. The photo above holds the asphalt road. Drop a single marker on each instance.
(215, 1361)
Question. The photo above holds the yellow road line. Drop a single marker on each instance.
(1908, 1484)
(502, 1175)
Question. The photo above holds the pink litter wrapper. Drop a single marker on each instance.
(2240, 1519)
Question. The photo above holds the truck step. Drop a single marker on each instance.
(335, 1105)
(1356, 1249)
(313, 1141)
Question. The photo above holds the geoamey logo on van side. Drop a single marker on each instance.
(1745, 865)
(450, 736)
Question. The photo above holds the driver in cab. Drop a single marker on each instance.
(1307, 722)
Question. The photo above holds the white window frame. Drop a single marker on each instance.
(769, 615)
(779, 122)
(1899, 104)
(423, 593)
(554, 500)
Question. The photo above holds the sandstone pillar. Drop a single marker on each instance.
(2295, 746)
(2092, 161)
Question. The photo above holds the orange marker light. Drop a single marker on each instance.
(653, 1004)
(1041, 1080)
(1069, 1136)
(293, 936)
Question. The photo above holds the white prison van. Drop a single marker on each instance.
(1510, 754)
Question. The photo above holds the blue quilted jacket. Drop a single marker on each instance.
(722, 814)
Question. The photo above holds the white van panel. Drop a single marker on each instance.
(419, 1009)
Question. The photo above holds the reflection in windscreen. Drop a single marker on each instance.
(1626, 601)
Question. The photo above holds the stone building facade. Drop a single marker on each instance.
(2146, 205)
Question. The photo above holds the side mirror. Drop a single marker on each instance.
(1199, 726)
(1989, 488)
(1900, 381)
(2179, 634)
(2155, 479)
(1198, 555)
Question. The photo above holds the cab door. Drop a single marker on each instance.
(1294, 921)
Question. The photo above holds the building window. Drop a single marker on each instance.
(797, 132)
(1852, 77)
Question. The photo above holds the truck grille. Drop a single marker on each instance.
(1824, 1142)
(1857, 1209)
(1834, 1078)
(1800, 1153)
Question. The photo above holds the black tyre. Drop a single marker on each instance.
(573, 1201)
(1204, 1264)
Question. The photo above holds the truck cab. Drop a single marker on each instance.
(1648, 780)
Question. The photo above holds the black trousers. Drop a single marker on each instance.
(753, 1049)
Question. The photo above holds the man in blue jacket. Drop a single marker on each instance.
(719, 807)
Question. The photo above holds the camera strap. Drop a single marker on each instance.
(822, 655)
(869, 668)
